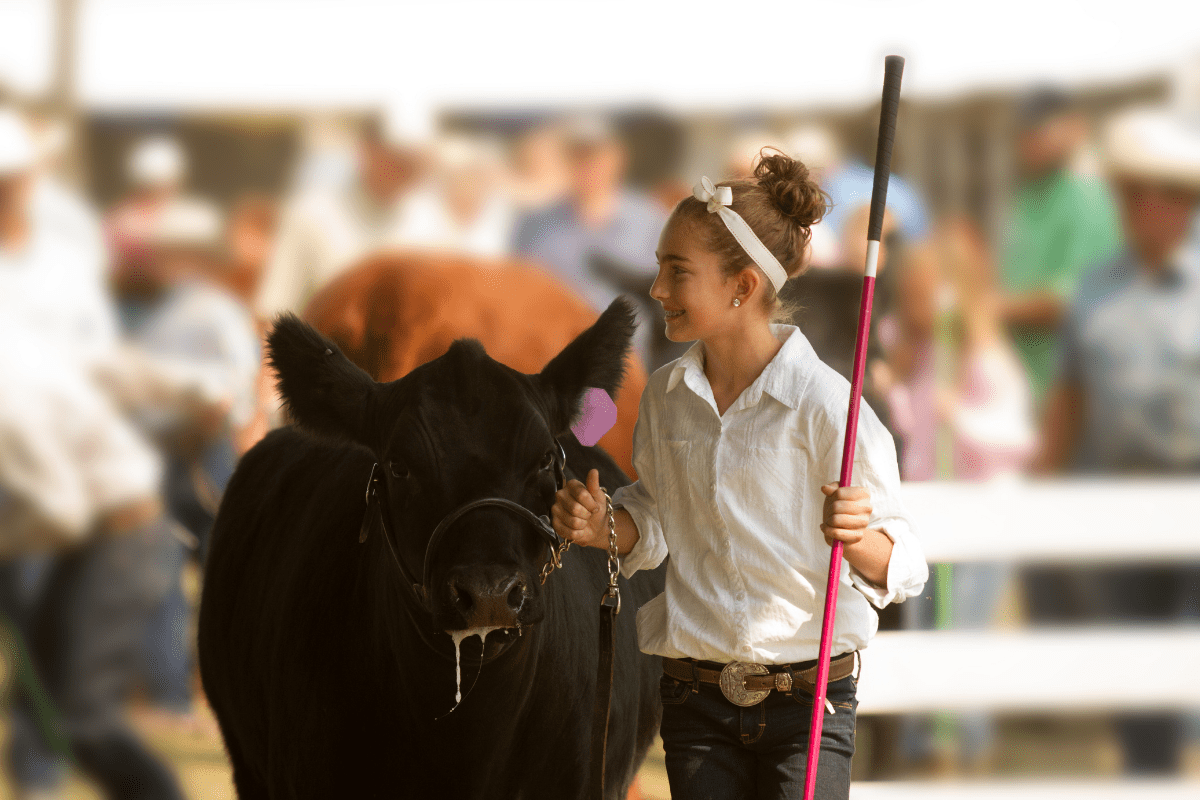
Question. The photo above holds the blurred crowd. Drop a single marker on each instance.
(133, 377)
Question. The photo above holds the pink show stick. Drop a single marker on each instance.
(893, 69)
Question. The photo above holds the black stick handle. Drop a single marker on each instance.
(893, 69)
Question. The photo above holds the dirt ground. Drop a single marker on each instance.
(1079, 747)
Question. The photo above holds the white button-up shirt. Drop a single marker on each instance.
(736, 500)
(67, 452)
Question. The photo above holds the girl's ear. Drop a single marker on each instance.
(747, 281)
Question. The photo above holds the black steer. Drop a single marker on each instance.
(331, 675)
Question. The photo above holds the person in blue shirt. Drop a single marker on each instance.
(1127, 395)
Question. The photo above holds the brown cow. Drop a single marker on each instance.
(397, 311)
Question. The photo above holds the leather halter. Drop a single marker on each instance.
(540, 524)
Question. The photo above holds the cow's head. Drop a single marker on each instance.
(456, 429)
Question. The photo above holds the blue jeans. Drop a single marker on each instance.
(85, 627)
(167, 661)
(716, 750)
(33, 761)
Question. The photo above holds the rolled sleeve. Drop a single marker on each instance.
(907, 570)
(651, 547)
(638, 498)
(875, 463)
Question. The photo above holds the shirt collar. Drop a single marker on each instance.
(780, 378)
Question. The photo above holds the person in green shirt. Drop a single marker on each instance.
(1060, 222)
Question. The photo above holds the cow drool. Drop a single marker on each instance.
(458, 637)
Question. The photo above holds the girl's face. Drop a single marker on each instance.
(696, 297)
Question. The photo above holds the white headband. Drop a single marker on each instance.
(718, 200)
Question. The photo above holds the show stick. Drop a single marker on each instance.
(893, 69)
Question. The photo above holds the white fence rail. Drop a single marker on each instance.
(1044, 670)
(1028, 790)
(1062, 521)
(1038, 671)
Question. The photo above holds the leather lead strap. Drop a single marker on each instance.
(603, 704)
(368, 518)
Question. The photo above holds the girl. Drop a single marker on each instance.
(735, 444)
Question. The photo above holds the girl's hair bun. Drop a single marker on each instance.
(790, 187)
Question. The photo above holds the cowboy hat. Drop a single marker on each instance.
(1153, 144)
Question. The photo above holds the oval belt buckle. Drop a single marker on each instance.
(733, 683)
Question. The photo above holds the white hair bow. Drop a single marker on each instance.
(719, 199)
(716, 197)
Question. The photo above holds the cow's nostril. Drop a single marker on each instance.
(460, 597)
(516, 596)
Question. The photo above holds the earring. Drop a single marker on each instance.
(736, 302)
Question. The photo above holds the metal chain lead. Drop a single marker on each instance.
(555, 561)
(612, 594)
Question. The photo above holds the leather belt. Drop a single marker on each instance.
(745, 684)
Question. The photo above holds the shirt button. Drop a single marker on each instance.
(741, 596)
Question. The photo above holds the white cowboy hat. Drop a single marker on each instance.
(1153, 144)
(17, 149)
(156, 161)
(409, 122)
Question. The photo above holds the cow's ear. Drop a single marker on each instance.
(321, 389)
(595, 358)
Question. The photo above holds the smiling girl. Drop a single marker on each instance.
(735, 446)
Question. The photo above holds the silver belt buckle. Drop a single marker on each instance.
(733, 683)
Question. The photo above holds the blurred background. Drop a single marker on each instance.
(172, 175)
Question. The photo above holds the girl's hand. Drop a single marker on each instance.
(847, 513)
(580, 514)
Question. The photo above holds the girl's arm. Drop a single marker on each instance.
(579, 517)
(627, 531)
(847, 515)
(885, 558)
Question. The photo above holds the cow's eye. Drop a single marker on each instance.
(397, 470)
(548, 460)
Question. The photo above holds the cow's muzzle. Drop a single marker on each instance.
(488, 598)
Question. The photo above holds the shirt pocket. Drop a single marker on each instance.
(777, 475)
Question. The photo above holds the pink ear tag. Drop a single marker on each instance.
(598, 416)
